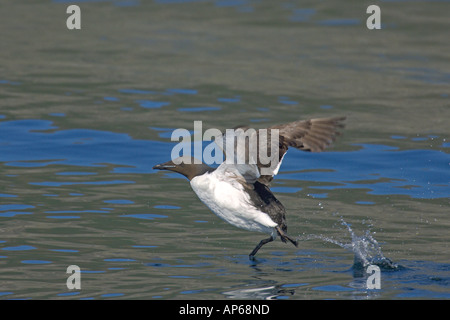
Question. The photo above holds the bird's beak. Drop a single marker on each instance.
(169, 165)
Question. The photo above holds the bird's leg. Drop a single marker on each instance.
(285, 237)
(263, 242)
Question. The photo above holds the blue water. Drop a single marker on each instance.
(418, 173)
(33, 147)
(377, 170)
(85, 115)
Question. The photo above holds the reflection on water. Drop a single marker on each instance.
(85, 115)
(63, 165)
(382, 170)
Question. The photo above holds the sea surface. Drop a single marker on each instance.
(85, 115)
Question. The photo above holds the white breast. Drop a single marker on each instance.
(227, 199)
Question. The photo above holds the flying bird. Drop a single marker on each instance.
(238, 190)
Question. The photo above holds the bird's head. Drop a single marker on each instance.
(188, 166)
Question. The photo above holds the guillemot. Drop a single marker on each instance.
(240, 194)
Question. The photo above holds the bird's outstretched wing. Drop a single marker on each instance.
(257, 154)
(310, 135)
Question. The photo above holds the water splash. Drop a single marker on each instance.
(366, 250)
